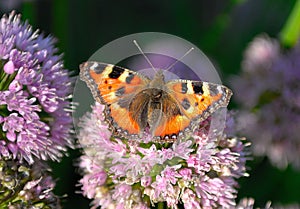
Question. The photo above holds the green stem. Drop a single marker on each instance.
(160, 205)
(289, 35)
(6, 79)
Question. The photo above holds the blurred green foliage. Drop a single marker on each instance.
(290, 33)
(222, 29)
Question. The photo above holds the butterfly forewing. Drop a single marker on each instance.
(109, 83)
(114, 87)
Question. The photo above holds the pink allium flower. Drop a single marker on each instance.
(198, 172)
(268, 93)
(261, 53)
(35, 89)
(248, 203)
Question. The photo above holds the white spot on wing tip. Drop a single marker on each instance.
(94, 65)
(219, 88)
(190, 89)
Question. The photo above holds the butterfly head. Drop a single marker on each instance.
(158, 80)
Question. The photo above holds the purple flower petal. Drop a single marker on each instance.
(9, 67)
(37, 120)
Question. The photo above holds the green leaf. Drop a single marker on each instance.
(291, 31)
(156, 170)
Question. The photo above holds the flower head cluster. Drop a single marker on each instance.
(35, 120)
(248, 203)
(268, 91)
(24, 186)
(198, 172)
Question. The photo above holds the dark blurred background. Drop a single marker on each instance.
(221, 29)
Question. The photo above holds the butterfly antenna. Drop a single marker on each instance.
(140, 49)
(172, 65)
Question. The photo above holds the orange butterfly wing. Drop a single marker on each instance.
(115, 87)
(196, 101)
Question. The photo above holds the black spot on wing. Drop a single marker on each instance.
(185, 104)
(99, 68)
(197, 87)
(116, 72)
(184, 88)
(129, 78)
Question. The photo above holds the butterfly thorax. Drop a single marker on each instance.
(154, 105)
(153, 111)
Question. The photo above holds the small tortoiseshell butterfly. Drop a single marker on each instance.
(134, 103)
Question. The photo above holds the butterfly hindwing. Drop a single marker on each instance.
(172, 121)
